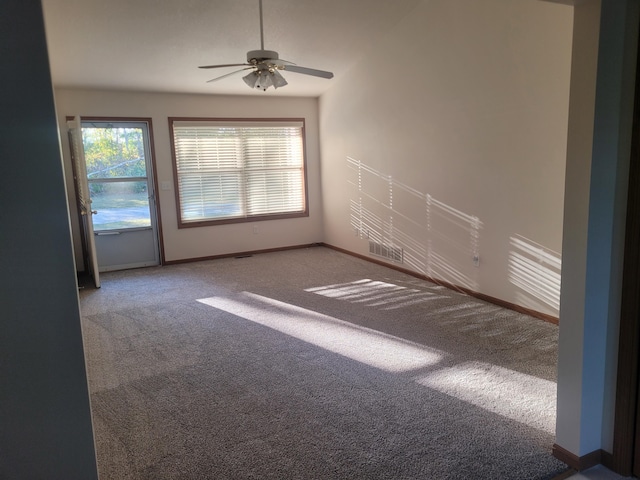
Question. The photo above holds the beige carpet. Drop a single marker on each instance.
(311, 364)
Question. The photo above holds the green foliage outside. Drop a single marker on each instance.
(115, 161)
(113, 152)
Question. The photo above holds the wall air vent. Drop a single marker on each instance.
(390, 252)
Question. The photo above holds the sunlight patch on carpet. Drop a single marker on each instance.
(362, 344)
(375, 293)
(524, 398)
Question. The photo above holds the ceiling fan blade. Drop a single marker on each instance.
(307, 71)
(225, 65)
(228, 74)
(281, 62)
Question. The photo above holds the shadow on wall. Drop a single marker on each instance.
(437, 242)
(412, 227)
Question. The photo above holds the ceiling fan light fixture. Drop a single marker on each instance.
(252, 79)
(264, 78)
(277, 79)
(265, 81)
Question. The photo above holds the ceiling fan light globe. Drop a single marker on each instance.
(251, 80)
(266, 80)
(277, 79)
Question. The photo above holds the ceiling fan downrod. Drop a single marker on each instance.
(261, 27)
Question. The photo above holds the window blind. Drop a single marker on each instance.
(238, 170)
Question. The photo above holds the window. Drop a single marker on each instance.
(230, 171)
(118, 172)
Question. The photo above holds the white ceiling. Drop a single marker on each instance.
(157, 45)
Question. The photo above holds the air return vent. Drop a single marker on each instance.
(386, 251)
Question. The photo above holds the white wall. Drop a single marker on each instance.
(602, 89)
(579, 153)
(449, 140)
(186, 243)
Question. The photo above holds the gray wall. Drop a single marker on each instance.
(45, 421)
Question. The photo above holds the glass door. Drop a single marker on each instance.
(119, 174)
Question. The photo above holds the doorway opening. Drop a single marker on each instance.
(115, 168)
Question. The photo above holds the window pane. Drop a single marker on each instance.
(113, 152)
(120, 205)
(274, 192)
(238, 169)
(210, 196)
(269, 149)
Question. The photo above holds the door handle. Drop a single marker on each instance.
(94, 212)
(107, 233)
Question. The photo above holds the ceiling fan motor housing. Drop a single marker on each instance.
(260, 55)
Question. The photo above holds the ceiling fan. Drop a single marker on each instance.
(265, 66)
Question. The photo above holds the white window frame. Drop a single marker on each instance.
(254, 168)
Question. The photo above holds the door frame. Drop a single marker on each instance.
(153, 178)
(83, 199)
(626, 439)
(74, 172)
